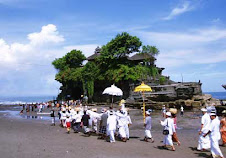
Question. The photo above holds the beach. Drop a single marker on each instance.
(30, 137)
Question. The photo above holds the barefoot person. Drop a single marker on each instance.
(168, 125)
(147, 126)
(204, 142)
(214, 132)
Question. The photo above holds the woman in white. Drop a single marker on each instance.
(111, 126)
(215, 136)
(204, 142)
(168, 124)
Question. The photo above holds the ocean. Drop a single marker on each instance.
(22, 100)
(217, 95)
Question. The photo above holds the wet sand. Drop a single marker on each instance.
(23, 137)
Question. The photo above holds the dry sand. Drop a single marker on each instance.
(35, 138)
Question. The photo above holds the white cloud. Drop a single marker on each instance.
(179, 10)
(31, 62)
(48, 34)
(188, 47)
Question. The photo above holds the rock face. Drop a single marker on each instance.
(169, 92)
(172, 100)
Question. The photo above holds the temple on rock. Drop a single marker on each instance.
(164, 90)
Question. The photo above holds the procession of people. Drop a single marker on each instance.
(113, 124)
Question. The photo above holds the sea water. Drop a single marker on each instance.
(35, 99)
(217, 95)
(23, 100)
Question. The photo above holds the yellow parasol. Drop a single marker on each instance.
(143, 88)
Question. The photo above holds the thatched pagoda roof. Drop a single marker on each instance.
(141, 57)
(96, 54)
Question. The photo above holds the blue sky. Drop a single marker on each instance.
(190, 35)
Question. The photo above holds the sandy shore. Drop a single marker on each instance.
(23, 137)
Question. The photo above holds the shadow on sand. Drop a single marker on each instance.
(200, 153)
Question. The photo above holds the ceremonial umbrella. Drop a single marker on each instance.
(113, 90)
(143, 88)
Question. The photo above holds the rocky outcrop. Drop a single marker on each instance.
(196, 102)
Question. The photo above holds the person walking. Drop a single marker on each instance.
(129, 122)
(175, 137)
(103, 124)
(169, 127)
(223, 128)
(122, 124)
(111, 126)
(85, 123)
(214, 132)
(182, 111)
(204, 142)
(68, 123)
(52, 114)
(148, 126)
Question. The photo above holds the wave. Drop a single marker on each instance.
(24, 100)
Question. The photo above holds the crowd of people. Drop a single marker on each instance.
(211, 131)
(111, 125)
(107, 124)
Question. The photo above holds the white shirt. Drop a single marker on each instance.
(129, 120)
(215, 129)
(63, 116)
(170, 123)
(182, 109)
(68, 119)
(122, 119)
(205, 121)
(111, 122)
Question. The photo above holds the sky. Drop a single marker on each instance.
(190, 35)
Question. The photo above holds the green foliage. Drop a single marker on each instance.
(112, 66)
(72, 59)
(117, 50)
(150, 49)
(162, 79)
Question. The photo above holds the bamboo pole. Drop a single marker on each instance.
(143, 106)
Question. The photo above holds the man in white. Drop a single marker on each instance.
(204, 142)
(168, 124)
(111, 126)
(147, 126)
(122, 124)
(214, 131)
(129, 122)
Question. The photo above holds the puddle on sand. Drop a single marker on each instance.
(16, 114)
